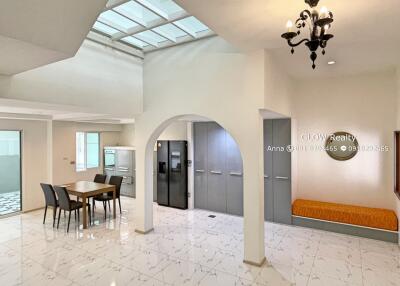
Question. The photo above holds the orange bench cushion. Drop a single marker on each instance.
(369, 217)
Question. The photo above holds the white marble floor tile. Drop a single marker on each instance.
(219, 278)
(185, 248)
(180, 272)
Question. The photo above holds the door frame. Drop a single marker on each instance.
(20, 131)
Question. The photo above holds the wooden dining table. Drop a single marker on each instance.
(85, 190)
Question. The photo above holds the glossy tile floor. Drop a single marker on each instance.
(10, 202)
(186, 248)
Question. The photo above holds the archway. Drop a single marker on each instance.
(250, 145)
(215, 165)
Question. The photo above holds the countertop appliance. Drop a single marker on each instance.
(172, 171)
(120, 161)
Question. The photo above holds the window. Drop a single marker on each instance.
(87, 150)
(149, 24)
(397, 163)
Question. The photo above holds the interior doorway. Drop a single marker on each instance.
(10, 172)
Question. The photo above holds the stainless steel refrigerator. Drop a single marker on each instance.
(120, 161)
(172, 171)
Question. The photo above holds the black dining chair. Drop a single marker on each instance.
(50, 200)
(106, 198)
(99, 178)
(66, 204)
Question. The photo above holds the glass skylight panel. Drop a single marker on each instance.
(170, 30)
(167, 6)
(135, 42)
(116, 20)
(134, 10)
(150, 37)
(104, 28)
(193, 24)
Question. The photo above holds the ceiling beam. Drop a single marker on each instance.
(111, 24)
(181, 40)
(153, 8)
(114, 3)
(122, 47)
(186, 29)
(166, 35)
(130, 16)
(151, 25)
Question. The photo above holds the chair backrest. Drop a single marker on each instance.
(117, 182)
(49, 194)
(63, 198)
(99, 178)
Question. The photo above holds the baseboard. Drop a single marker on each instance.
(33, 210)
(356, 230)
(144, 232)
(255, 263)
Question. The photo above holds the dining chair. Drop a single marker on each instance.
(50, 200)
(99, 178)
(66, 204)
(107, 197)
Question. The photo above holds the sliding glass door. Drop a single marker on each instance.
(10, 172)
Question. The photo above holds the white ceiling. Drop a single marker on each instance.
(367, 36)
(36, 33)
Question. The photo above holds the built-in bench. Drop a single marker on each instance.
(367, 222)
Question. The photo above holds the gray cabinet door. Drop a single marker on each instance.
(200, 165)
(234, 177)
(282, 172)
(216, 180)
(268, 157)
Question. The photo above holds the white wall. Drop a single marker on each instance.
(97, 79)
(175, 131)
(34, 159)
(212, 79)
(64, 150)
(278, 87)
(127, 137)
(363, 105)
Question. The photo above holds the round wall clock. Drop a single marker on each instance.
(341, 146)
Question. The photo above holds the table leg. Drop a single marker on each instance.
(84, 215)
(114, 204)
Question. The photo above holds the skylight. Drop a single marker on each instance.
(149, 24)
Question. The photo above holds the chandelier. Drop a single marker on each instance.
(318, 24)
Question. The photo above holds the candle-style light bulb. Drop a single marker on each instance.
(289, 26)
(323, 13)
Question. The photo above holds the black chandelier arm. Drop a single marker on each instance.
(297, 44)
(305, 14)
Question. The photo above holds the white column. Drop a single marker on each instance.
(144, 189)
(253, 197)
(49, 151)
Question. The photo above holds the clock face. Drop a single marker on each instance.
(341, 146)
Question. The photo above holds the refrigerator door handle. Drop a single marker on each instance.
(282, 178)
(236, 174)
(123, 168)
(199, 171)
(216, 172)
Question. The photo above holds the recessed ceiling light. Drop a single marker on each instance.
(331, 62)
